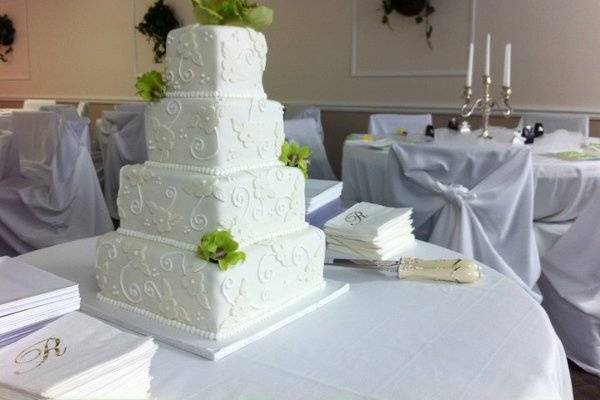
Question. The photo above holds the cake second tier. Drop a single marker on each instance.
(217, 135)
(178, 206)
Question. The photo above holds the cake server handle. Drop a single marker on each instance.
(452, 270)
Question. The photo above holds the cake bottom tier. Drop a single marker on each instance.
(179, 289)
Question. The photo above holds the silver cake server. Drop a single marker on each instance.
(452, 270)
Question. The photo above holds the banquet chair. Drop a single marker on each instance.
(37, 134)
(306, 132)
(570, 282)
(301, 112)
(36, 104)
(53, 201)
(10, 166)
(132, 107)
(388, 124)
(83, 109)
(65, 111)
(70, 119)
(122, 141)
(553, 122)
(473, 199)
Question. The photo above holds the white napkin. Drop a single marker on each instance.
(30, 296)
(77, 357)
(371, 231)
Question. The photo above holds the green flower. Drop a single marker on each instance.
(294, 155)
(151, 86)
(220, 247)
(232, 12)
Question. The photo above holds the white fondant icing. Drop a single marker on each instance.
(214, 146)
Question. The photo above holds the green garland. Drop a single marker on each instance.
(158, 21)
(7, 37)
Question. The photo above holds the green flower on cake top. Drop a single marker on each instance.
(295, 155)
(233, 13)
(220, 247)
(151, 86)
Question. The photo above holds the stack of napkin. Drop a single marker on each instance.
(370, 231)
(30, 297)
(77, 357)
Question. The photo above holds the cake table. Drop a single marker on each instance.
(384, 339)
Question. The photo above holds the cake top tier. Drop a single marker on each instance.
(215, 61)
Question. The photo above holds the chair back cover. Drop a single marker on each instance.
(37, 135)
(122, 142)
(132, 107)
(36, 104)
(388, 124)
(83, 109)
(65, 111)
(301, 112)
(306, 132)
(53, 204)
(10, 165)
(476, 199)
(553, 122)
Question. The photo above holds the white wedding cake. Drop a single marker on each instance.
(214, 144)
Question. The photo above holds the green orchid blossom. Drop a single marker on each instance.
(295, 155)
(151, 86)
(220, 247)
(233, 13)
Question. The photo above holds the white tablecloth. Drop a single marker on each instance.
(384, 339)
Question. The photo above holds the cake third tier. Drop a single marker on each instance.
(174, 205)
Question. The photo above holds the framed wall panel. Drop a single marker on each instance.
(401, 50)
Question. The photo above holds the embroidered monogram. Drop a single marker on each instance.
(40, 352)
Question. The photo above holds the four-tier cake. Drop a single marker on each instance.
(214, 144)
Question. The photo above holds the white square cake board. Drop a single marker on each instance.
(210, 349)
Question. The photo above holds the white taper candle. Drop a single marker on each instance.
(469, 82)
(507, 62)
(488, 49)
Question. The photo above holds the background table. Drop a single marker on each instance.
(384, 339)
(563, 188)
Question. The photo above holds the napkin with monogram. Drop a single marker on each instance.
(77, 357)
(371, 231)
(30, 297)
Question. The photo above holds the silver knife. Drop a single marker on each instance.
(452, 270)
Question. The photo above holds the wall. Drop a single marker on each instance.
(88, 49)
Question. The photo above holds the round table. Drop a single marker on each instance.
(384, 339)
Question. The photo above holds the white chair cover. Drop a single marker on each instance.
(36, 104)
(554, 122)
(571, 283)
(37, 134)
(83, 109)
(122, 142)
(473, 199)
(132, 107)
(9, 155)
(6, 121)
(53, 203)
(65, 111)
(301, 112)
(306, 132)
(388, 124)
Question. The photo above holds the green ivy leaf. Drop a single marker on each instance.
(232, 12)
(295, 155)
(151, 86)
(220, 247)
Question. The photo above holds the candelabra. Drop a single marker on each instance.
(486, 104)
